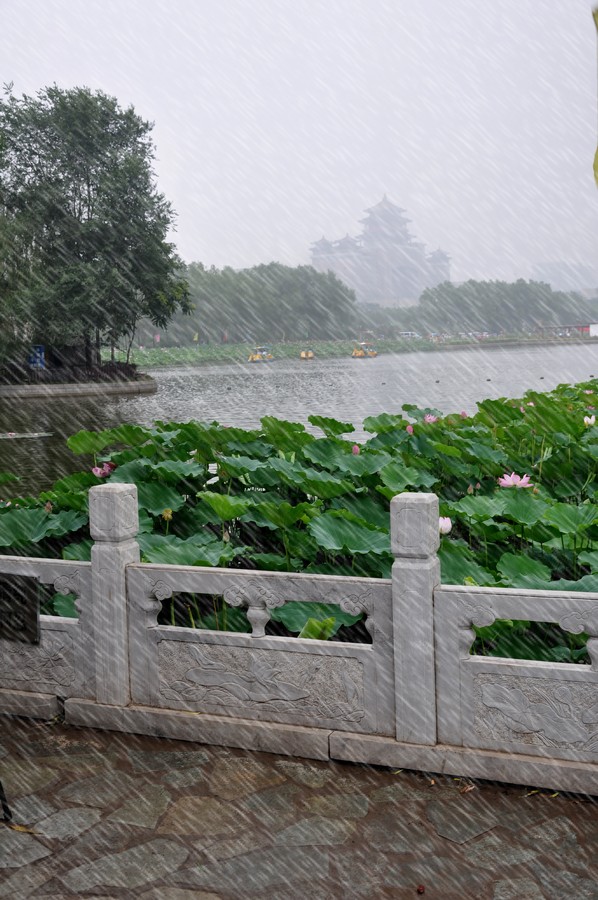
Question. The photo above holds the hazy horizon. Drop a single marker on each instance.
(276, 124)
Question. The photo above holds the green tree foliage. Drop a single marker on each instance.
(267, 302)
(83, 229)
(493, 306)
(498, 306)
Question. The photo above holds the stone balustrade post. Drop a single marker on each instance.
(415, 574)
(113, 524)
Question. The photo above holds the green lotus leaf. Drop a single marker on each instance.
(225, 507)
(333, 531)
(133, 472)
(77, 482)
(317, 484)
(5, 477)
(295, 616)
(383, 422)
(129, 435)
(282, 515)
(80, 551)
(569, 518)
(170, 549)
(368, 509)
(458, 565)
(519, 570)
(318, 629)
(498, 412)
(330, 427)
(446, 449)
(88, 442)
(480, 451)
(479, 506)
(589, 558)
(273, 562)
(366, 463)
(238, 466)
(327, 452)
(155, 497)
(175, 469)
(397, 477)
(285, 435)
(522, 506)
(22, 526)
(64, 605)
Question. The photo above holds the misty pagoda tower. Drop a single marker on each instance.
(384, 265)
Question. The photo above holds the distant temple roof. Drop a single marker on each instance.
(322, 246)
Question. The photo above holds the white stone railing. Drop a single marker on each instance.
(414, 697)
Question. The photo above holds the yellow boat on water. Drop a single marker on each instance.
(307, 354)
(363, 350)
(260, 354)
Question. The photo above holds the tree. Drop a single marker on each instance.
(267, 302)
(499, 306)
(81, 214)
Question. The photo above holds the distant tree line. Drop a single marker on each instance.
(485, 306)
(265, 303)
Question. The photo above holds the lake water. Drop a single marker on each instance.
(241, 394)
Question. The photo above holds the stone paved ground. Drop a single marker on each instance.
(115, 816)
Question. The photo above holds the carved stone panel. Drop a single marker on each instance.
(47, 667)
(272, 685)
(552, 716)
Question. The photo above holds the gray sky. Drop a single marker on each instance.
(277, 121)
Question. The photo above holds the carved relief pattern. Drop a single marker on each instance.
(47, 663)
(547, 712)
(258, 601)
(478, 614)
(576, 621)
(160, 590)
(355, 604)
(69, 583)
(271, 681)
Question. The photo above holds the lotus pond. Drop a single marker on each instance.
(281, 498)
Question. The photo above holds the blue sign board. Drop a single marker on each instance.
(37, 357)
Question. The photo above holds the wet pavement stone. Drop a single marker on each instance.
(119, 816)
(316, 830)
(68, 823)
(349, 806)
(129, 869)
(18, 849)
(144, 810)
(459, 821)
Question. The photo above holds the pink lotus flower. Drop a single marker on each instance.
(444, 525)
(516, 481)
(588, 392)
(589, 420)
(103, 471)
(429, 418)
(463, 414)
(355, 449)
(531, 403)
(409, 429)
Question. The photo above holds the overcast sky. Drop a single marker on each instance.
(278, 121)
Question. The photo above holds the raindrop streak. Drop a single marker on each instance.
(240, 394)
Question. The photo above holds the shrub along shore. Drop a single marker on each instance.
(207, 354)
(516, 482)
